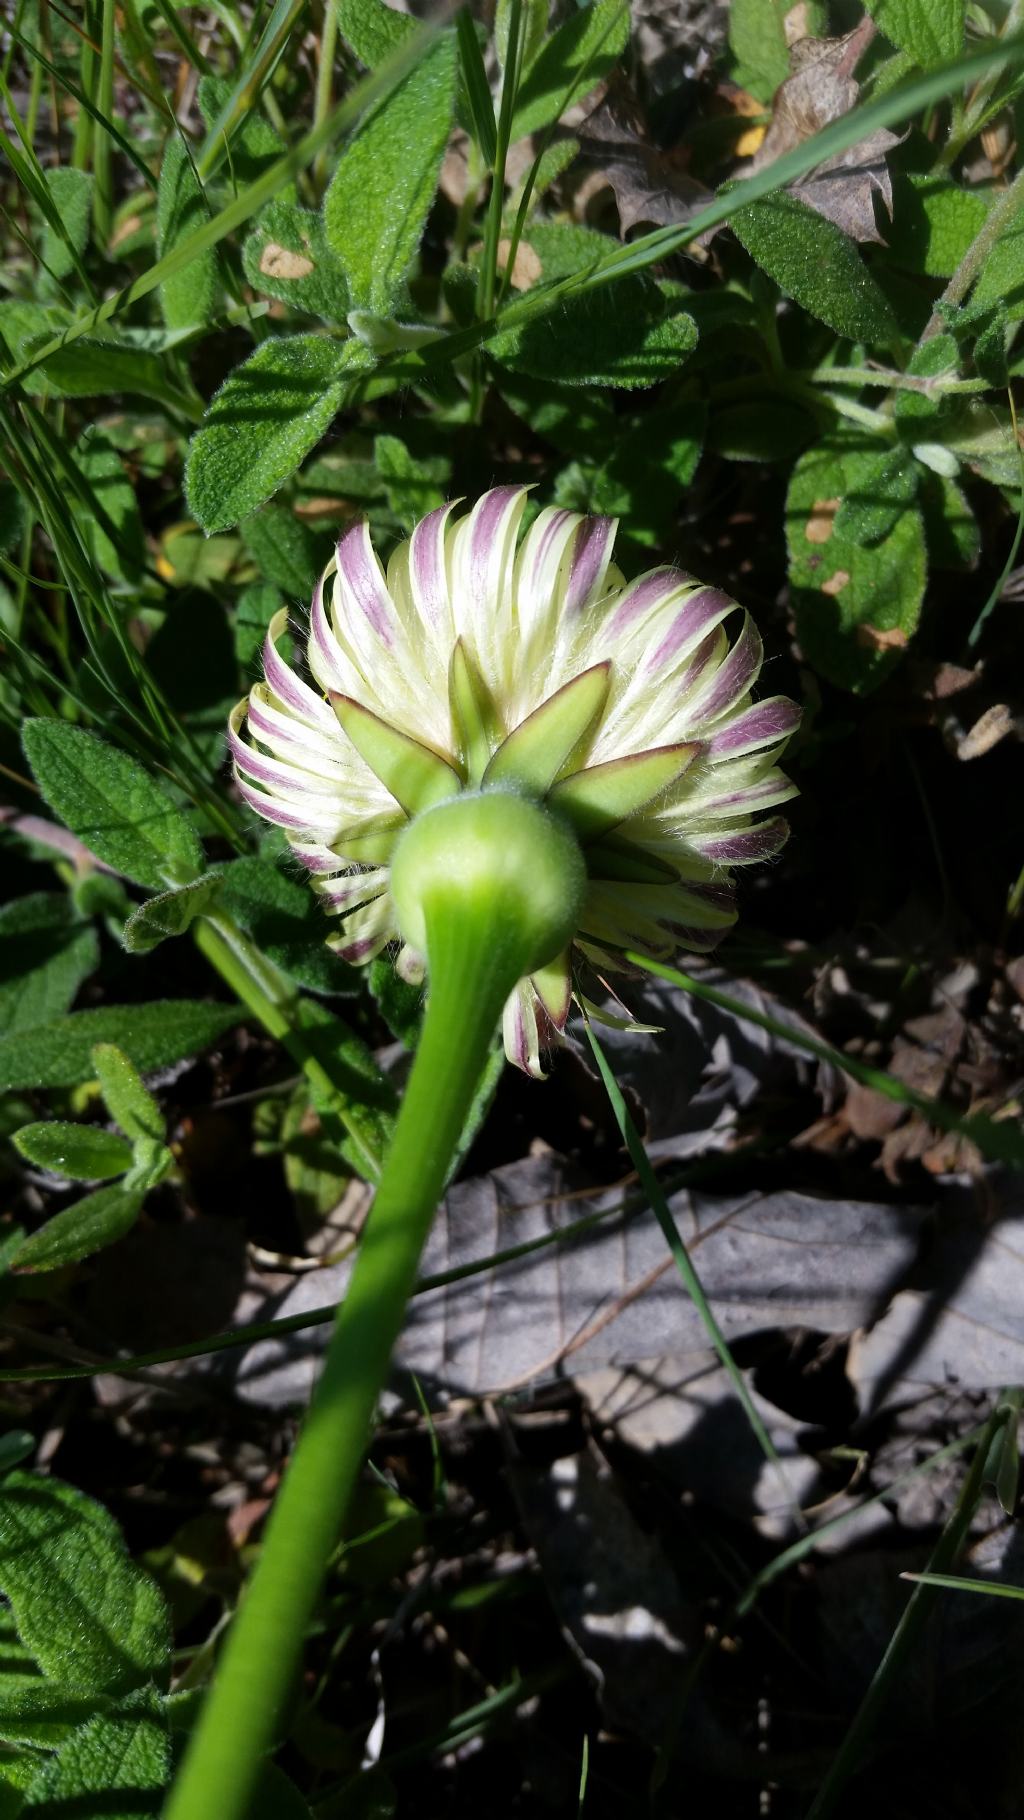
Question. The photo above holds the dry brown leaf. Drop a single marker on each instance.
(649, 185)
(820, 90)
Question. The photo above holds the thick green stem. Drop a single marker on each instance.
(488, 887)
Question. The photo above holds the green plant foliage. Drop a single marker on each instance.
(254, 144)
(857, 605)
(121, 1759)
(84, 1153)
(268, 415)
(287, 256)
(110, 526)
(813, 262)
(934, 222)
(757, 40)
(71, 195)
(630, 334)
(928, 30)
(93, 1621)
(112, 804)
(886, 487)
(84, 368)
(411, 486)
(44, 957)
(280, 913)
(191, 296)
(254, 611)
(286, 552)
(376, 207)
(59, 1053)
(170, 913)
(91, 1224)
(575, 58)
(373, 29)
(129, 1102)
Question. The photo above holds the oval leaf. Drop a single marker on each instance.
(83, 1153)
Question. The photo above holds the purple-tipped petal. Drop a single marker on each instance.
(744, 845)
(428, 569)
(735, 679)
(362, 586)
(760, 725)
(695, 619)
(288, 687)
(590, 558)
(652, 590)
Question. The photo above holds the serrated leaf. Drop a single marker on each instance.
(91, 1618)
(576, 57)
(83, 1153)
(59, 1054)
(118, 546)
(76, 1232)
(129, 1103)
(817, 265)
(118, 1763)
(190, 297)
(380, 195)
(287, 255)
(71, 194)
(285, 551)
(112, 804)
(287, 922)
(170, 913)
(856, 607)
(930, 31)
(266, 417)
(44, 957)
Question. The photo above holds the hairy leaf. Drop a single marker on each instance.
(112, 804)
(44, 957)
(92, 1619)
(189, 297)
(287, 256)
(376, 207)
(83, 1153)
(266, 417)
(117, 1764)
(813, 262)
(928, 30)
(169, 914)
(59, 1054)
(91, 1224)
(576, 57)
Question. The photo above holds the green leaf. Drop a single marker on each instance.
(189, 297)
(112, 804)
(370, 1098)
(255, 144)
(266, 417)
(59, 1053)
(119, 547)
(83, 1153)
(36, 1711)
(411, 485)
(759, 430)
(887, 486)
(817, 265)
(84, 368)
(757, 39)
(287, 256)
(934, 221)
(130, 1104)
(856, 607)
(930, 31)
(169, 914)
(71, 194)
(399, 1003)
(285, 551)
(93, 1620)
(950, 527)
(372, 29)
(648, 468)
(44, 957)
(380, 195)
(287, 922)
(917, 413)
(254, 610)
(91, 1224)
(117, 1764)
(632, 332)
(585, 49)
(1001, 279)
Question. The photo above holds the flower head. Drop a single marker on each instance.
(481, 660)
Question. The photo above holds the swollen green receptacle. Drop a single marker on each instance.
(497, 857)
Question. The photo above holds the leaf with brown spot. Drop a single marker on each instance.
(280, 262)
